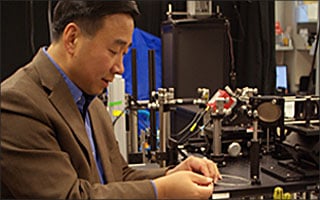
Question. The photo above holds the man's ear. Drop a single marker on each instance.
(70, 37)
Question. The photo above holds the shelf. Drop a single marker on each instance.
(304, 48)
(284, 48)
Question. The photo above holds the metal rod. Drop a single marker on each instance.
(163, 142)
(133, 118)
(152, 87)
(142, 145)
(301, 122)
(255, 125)
(268, 140)
(294, 99)
(134, 73)
(133, 141)
(255, 151)
(255, 130)
(217, 137)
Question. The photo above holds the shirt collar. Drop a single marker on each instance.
(77, 94)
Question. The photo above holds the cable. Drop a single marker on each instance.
(49, 18)
(32, 28)
(184, 138)
(195, 119)
(199, 118)
(118, 117)
(192, 128)
(232, 70)
(240, 23)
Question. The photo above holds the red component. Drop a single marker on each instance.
(222, 94)
(278, 28)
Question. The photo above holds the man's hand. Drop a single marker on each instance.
(184, 185)
(200, 165)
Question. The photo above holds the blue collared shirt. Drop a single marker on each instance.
(79, 99)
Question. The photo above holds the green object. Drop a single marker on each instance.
(115, 103)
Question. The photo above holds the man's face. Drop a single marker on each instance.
(98, 58)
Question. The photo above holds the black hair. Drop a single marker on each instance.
(88, 15)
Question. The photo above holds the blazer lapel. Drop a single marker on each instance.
(61, 99)
(70, 113)
(74, 119)
(100, 138)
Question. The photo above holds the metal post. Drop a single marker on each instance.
(133, 120)
(133, 116)
(217, 117)
(217, 137)
(134, 73)
(255, 152)
(152, 87)
(163, 124)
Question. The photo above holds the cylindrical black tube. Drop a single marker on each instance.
(151, 62)
(134, 73)
(308, 111)
(152, 87)
(254, 159)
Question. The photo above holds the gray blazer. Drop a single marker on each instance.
(45, 152)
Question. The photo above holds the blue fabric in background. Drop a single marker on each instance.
(143, 42)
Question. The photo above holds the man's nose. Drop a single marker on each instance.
(119, 67)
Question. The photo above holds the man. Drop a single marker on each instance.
(57, 140)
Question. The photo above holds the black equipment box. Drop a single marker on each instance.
(196, 53)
